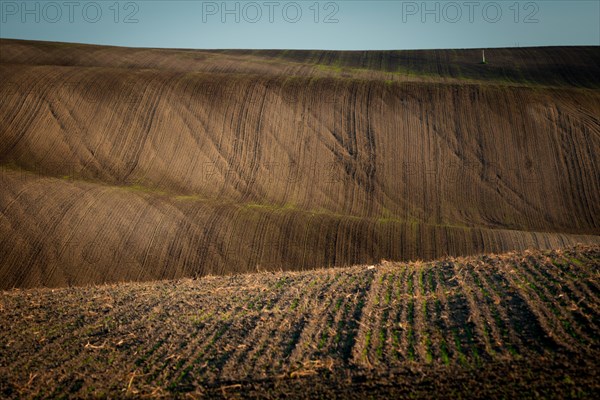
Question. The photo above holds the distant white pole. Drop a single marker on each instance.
(483, 56)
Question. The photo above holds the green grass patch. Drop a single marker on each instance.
(379, 350)
(388, 295)
(367, 343)
(143, 189)
(444, 352)
(294, 304)
(459, 352)
(338, 303)
(411, 344)
(427, 345)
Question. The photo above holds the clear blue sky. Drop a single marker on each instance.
(305, 24)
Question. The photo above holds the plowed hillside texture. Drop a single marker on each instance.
(520, 325)
(122, 164)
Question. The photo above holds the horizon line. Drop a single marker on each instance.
(295, 49)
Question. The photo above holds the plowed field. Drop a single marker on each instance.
(142, 164)
(517, 324)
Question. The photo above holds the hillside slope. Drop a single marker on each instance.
(125, 164)
(515, 325)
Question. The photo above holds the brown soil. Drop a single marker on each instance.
(512, 325)
(142, 164)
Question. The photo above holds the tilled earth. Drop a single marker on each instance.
(135, 164)
(513, 325)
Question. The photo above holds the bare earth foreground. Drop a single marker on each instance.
(520, 324)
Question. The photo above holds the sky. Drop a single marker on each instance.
(305, 24)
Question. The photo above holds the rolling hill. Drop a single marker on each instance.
(121, 164)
